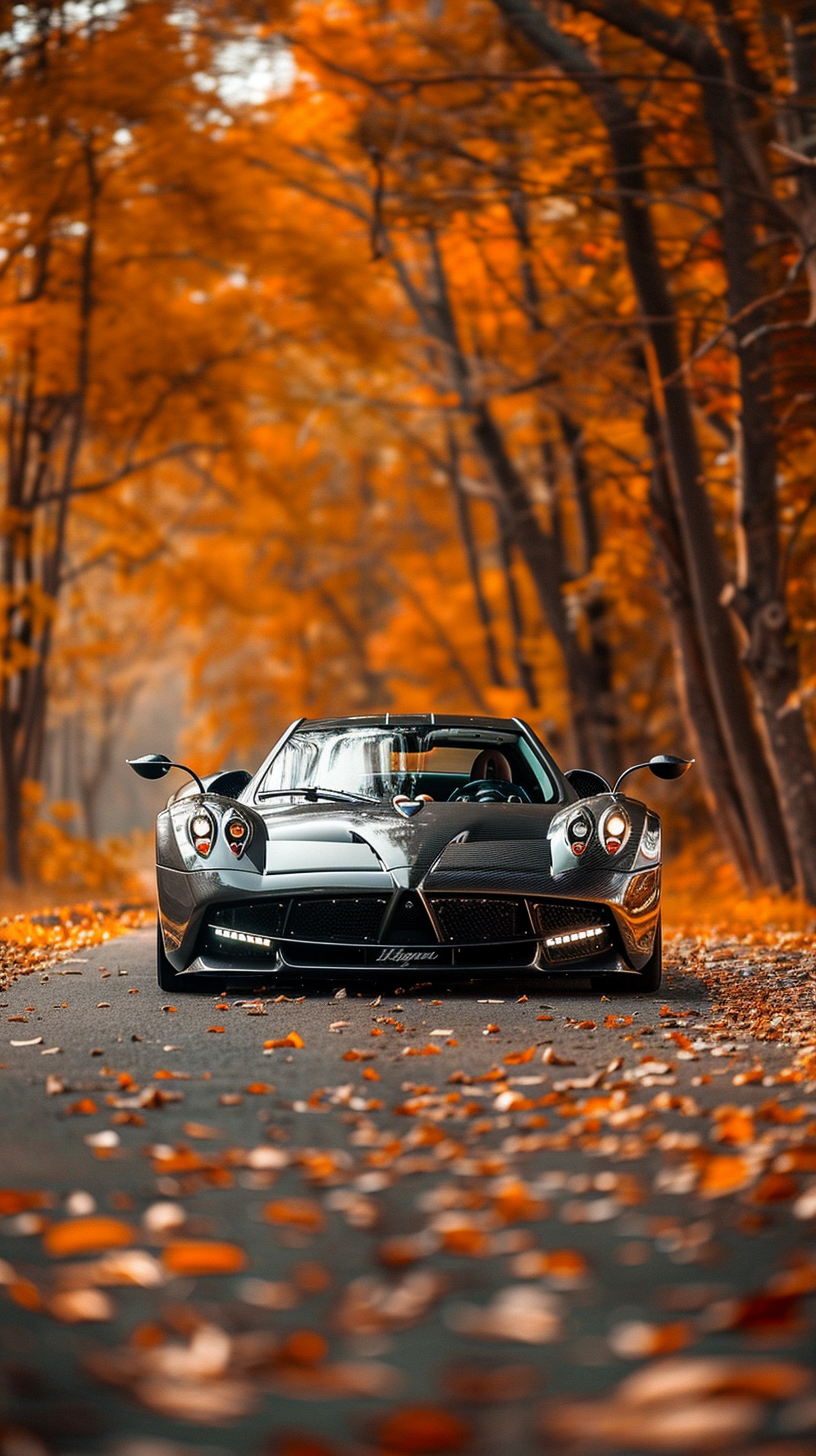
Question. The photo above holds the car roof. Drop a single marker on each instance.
(419, 720)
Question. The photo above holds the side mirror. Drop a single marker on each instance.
(156, 765)
(669, 766)
(586, 782)
(151, 766)
(662, 765)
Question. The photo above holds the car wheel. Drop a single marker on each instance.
(652, 974)
(165, 974)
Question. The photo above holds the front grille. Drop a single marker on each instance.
(410, 924)
(469, 919)
(342, 918)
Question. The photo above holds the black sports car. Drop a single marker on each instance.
(417, 843)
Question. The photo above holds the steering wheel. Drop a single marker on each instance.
(489, 791)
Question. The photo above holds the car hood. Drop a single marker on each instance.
(413, 847)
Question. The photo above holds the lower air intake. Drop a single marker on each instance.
(571, 930)
(245, 930)
(576, 945)
(475, 919)
(352, 918)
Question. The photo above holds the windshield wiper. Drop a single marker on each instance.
(313, 794)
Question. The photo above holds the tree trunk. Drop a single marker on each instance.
(464, 523)
(595, 609)
(692, 683)
(771, 656)
(524, 670)
(626, 139)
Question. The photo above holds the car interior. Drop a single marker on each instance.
(441, 765)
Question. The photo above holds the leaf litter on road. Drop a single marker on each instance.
(500, 1164)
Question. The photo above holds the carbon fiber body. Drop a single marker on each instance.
(460, 886)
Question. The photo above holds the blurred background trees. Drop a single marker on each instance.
(425, 354)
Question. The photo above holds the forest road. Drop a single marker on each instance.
(461, 1200)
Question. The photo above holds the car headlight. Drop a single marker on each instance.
(579, 834)
(238, 833)
(202, 832)
(616, 827)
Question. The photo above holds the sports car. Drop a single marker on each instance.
(411, 844)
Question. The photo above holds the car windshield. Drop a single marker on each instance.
(381, 762)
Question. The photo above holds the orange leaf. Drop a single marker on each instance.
(734, 1127)
(25, 1293)
(291, 1040)
(515, 1059)
(427, 1051)
(13, 1200)
(543, 1018)
(303, 1213)
(216, 1028)
(618, 1020)
(304, 1347)
(193, 1257)
(423, 1428)
(86, 1236)
(354, 1055)
(259, 1089)
(86, 1107)
(723, 1175)
(370, 1075)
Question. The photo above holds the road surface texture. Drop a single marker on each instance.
(512, 1218)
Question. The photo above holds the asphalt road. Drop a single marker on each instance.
(394, 1232)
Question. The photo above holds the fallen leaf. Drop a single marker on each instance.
(521, 1312)
(423, 1428)
(75, 1306)
(291, 1040)
(216, 1028)
(86, 1236)
(85, 1107)
(723, 1175)
(515, 1059)
(194, 1257)
(304, 1213)
(552, 1059)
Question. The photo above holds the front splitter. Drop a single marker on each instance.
(281, 967)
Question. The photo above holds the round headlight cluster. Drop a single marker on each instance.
(202, 832)
(238, 834)
(579, 833)
(615, 830)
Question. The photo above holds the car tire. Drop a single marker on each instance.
(165, 975)
(652, 974)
